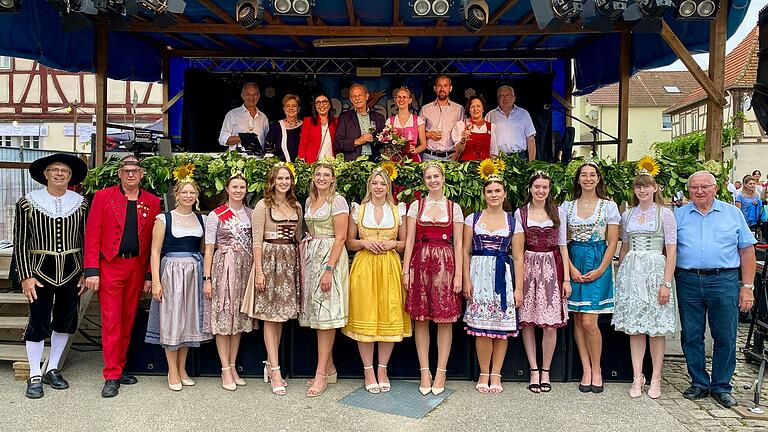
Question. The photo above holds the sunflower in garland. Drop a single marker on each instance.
(184, 171)
(390, 168)
(500, 165)
(648, 164)
(487, 168)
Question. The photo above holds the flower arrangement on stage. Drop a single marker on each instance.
(393, 144)
(463, 180)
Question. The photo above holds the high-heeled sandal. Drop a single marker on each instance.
(312, 392)
(482, 388)
(535, 387)
(238, 381)
(654, 390)
(187, 382)
(329, 379)
(545, 387)
(426, 390)
(267, 366)
(384, 386)
(278, 390)
(371, 388)
(636, 390)
(229, 387)
(497, 388)
(437, 391)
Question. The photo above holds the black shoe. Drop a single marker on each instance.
(695, 393)
(128, 379)
(110, 388)
(54, 379)
(34, 387)
(585, 388)
(596, 389)
(725, 399)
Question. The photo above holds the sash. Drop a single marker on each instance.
(235, 226)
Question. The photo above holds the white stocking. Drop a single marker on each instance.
(58, 343)
(34, 356)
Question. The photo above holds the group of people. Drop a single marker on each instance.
(443, 130)
(749, 196)
(217, 277)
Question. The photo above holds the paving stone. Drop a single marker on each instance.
(756, 423)
(723, 413)
(731, 422)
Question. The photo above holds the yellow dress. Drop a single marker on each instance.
(376, 293)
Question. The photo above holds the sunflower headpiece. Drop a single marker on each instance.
(647, 165)
(289, 166)
(389, 168)
(183, 173)
(487, 168)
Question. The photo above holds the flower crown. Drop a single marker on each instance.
(494, 178)
(237, 173)
(289, 166)
(435, 164)
(539, 173)
(590, 160)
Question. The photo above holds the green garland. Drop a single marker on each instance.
(463, 182)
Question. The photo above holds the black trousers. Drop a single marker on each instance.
(55, 309)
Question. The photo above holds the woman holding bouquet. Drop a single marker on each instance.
(474, 137)
(408, 125)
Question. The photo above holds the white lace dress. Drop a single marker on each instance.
(641, 273)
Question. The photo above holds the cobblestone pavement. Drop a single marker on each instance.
(706, 414)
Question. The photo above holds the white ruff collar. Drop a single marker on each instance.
(52, 206)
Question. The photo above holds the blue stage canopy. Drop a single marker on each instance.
(36, 33)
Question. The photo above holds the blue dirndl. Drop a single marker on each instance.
(596, 296)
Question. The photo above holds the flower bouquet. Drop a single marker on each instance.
(393, 144)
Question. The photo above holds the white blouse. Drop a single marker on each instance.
(413, 211)
(480, 227)
(178, 230)
(339, 206)
(369, 219)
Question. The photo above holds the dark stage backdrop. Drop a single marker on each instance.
(209, 95)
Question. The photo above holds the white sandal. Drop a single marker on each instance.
(229, 387)
(279, 390)
(384, 386)
(482, 388)
(372, 388)
(437, 391)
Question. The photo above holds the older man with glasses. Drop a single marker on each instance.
(714, 248)
(118, 236)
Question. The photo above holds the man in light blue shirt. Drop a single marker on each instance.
(714, 246)
(515, 132)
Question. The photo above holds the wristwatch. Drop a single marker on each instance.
(668, 284)
(748, 286)
(206, 278)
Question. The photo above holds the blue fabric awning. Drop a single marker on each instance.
(36, 33)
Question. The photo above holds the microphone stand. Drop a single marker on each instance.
(593, 129)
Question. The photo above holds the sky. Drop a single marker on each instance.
(750, 21)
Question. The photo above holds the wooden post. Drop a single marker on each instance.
(166, 77)
(625, 65)
(717, 36)
(568, 89)
(101, 92)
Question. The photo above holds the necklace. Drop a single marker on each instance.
(291, 123)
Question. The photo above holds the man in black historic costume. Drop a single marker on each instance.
(48, 249)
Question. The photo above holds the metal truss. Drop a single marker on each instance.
(392, 66)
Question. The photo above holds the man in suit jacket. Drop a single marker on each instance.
(353, 136)
(118, 236)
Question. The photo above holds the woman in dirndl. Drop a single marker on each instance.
(273, 290)
(593, 233)
(645, 299)
(228, 261)
(432, 273)
(177, 309)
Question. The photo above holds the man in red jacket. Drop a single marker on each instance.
(118, 236)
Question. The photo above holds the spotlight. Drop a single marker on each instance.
(654, 8)
(611, 9)
(10, 6)
(293, 7)
(474, 15)
(161, 6)
(249, 13)
(110, 7)
(696, 9)
(431, 8)
(600, 15)
(73, 13)
(552, 14)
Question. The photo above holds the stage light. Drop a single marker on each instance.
(654, 8)
(553, 14)
(10, 6)
(474, 15)
(696, 9)
(161, 6)
(431, 8)
(611, 9)
(110, 7)
(566, 8)
(249, 13)
(293, 7)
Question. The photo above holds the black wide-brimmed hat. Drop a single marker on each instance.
(78, 167)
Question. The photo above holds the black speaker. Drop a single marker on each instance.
(616, 360)
(149, 359)
(516, 366)
(760, 94)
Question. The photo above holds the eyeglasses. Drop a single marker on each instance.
(322, 102)
(59, 171)
(699, 188)
(131, 172)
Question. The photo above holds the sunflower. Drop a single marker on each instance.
(183, 172)
(390, 168)
(487, 168)
(292, 169)
(649, 164)
(500, 165)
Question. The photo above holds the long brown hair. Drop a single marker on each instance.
(600, 189)
(269, 188)
(549, 204)
(368, 194)
(646, 180)
(313, 195)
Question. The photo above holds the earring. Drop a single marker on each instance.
(197, 204)
(176, 202)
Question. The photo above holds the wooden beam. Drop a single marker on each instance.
(682, 53)
(717, 35)
(218, 11)
(351, 13)
(440, 39)
(167, 104)
(495, 17)
(396, 13)
(277, 20)
(341, 31)
(568, 91)
(625, 66)
(100, 57)
(165, 71)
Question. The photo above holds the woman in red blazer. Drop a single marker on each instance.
(316, 141)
